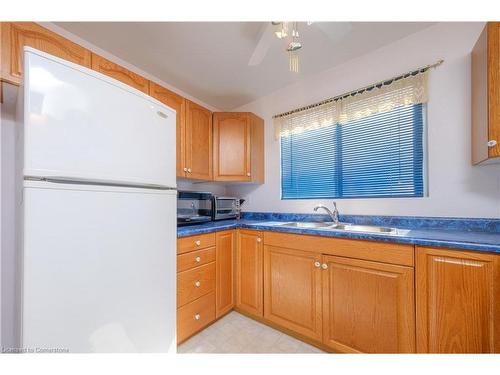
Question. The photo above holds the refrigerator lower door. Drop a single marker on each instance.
(98, 269)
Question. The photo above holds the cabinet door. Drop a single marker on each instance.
(224, 260)
(109, 68)
(249, 272)
(178, 103)
(198, 142)
(458, 301)
(231, 147)
(292, 290)
(16, 35)
(494, 88)
(368, 306)
(485, 95)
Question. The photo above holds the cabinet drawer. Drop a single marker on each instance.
(194, 316)
(187, 244)
(195, 258)
(194, 283)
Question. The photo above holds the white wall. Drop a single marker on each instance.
(455, 187)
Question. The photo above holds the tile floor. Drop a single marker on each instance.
(236, 333)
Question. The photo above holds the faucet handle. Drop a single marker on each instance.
(334, 204)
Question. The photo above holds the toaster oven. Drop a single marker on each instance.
(226, 208)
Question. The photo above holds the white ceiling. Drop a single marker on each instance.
(209, 60)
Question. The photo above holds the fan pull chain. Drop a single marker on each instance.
(294, 61)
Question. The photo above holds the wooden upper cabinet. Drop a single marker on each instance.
(238, 147)
(16, 35)
(368, 306)
(198, 142)
(109, 68)
(178, 103)
(249, 272)
(292, 290)
(458, 301)
(486, 95)
(231, 147)
(224, 290)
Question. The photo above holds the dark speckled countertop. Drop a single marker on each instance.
(457, 233)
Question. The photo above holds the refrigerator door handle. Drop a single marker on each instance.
(84, 181)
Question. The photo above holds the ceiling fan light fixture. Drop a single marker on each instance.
(294, 46)
(280, 29)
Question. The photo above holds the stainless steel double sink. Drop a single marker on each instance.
(343, 227)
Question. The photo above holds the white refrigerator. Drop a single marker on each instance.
(98, 239)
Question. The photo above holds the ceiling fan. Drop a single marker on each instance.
(289, 32)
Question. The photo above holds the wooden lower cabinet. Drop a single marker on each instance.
(224, 284)
(368, 306)
(342, 295)
(195, 258)
(197, 242)
(194, 283)
(458, 301)
(292, 290)
(195, 316)
(249, 272)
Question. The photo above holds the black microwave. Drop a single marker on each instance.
(194, 207)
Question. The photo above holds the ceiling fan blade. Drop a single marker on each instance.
(265, 40)
(334, 30)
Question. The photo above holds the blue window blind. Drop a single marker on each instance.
(379, 156)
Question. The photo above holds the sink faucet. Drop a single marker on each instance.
(333, 215)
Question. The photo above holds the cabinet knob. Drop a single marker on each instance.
(197, 259)
(189, 170)
(197, 242)
(248, 174)
(197, 317)
(185, 169)
(197, 284)
(259, 239)
(492, 143)
(324, 266)
(317, 264)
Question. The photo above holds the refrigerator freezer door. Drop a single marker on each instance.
(81, 124)
(99, 269)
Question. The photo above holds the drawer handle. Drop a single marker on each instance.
(324, 266)
(317, 264)
(197, 284)
(197, 317)
(198, 259)
(259, 239)
(197, 242)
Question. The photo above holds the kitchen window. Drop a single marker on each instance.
(369, 146)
